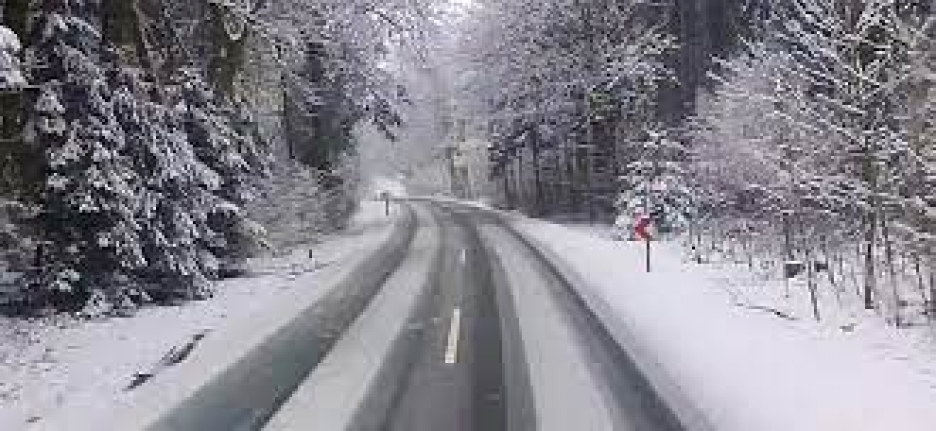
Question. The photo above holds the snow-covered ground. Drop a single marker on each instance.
(711, 337)
(49, 363)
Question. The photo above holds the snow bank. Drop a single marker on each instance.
(342, 391)
(566, 395)
(743, 369)
(49, 364)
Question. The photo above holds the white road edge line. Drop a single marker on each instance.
(451, 350)
(464, 257)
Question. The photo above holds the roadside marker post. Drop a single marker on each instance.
(386, 198)
(642, 229)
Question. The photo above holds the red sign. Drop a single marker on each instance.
(642, 228)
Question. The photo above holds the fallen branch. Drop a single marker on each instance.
(175, 356)
(773, 311)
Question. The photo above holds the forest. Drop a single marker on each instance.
(149, 146)
(795, 133)
(468, 214)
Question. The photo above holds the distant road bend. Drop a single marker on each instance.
(458, 325)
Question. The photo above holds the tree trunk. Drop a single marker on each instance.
(537, 177)
(932, 287)
(788, 236)
(521, 190)
(573, 196)
(854, 271)
(921, 285)
(830, 268)
(811, 281)
(508, 193)
(870, 280)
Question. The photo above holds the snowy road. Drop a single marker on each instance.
(455, 323)
(456, 380)
(497, 341)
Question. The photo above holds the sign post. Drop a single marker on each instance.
(642, 229)
(385, 196)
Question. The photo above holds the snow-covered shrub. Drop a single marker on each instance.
(292, 207)
(299, 204)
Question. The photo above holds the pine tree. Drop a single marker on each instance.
(174, 197)
(236, 161)
(91, 236)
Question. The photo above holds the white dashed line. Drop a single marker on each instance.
(451, 350)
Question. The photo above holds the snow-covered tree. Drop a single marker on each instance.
(584, 75)
(150, 129)
(656, 183)
(828, 113)
(292, 207)
(175, 197)
(88, 222)
(235, 162)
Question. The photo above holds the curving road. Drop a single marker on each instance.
(456, 324)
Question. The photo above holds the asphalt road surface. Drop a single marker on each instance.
(457, 380)
(531, 354)
(460, 325)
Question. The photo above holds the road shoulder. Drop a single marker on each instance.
(90, 379)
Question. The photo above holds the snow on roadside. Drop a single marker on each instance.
(743, 368)
(47, 363)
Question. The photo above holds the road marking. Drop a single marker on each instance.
(451, 350)
(464, 256)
